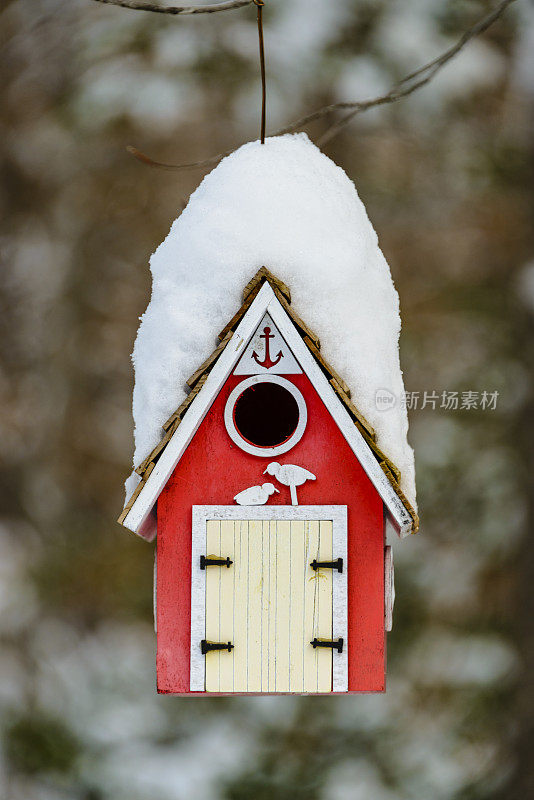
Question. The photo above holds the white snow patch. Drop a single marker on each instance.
(286, 206)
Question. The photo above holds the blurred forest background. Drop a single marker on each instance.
(447, 178)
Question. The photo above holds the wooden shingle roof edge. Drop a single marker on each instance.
(197, 380)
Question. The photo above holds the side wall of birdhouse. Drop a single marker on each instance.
(211, 472)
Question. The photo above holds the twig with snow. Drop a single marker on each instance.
(138, 5)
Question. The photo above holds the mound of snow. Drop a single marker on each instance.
(286, 206)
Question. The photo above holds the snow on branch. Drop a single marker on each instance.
(406, 86)
(138, 5)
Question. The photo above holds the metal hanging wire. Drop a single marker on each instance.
(160, 165)
(259, 5)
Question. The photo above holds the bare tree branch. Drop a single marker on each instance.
(409, 83)
(138, 5)
(208, 162)
(406, 86)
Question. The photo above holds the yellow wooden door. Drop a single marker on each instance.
(270, 604)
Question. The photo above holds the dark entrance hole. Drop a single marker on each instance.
(266, 414)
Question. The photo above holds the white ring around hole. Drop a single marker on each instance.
(235, 436)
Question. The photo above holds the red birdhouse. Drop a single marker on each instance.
(271, 501)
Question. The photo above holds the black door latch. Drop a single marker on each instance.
(207, 647)
(337, 564)
(335, 645)
(215, 562)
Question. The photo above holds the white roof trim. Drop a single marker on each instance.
(265, 301)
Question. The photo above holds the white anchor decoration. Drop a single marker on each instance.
(255, 495)
(290, 475)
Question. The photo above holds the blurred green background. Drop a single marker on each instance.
(447, 178)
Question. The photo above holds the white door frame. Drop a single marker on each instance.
(201, 514)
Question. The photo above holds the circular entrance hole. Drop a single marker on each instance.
(266, 414)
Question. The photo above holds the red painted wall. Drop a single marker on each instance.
(212, 470)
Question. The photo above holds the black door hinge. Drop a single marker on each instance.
(207, 647)
(215, 562)
(337, 564)
(335, 645)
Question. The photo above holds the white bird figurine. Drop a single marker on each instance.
(290, 475)
(255, 495)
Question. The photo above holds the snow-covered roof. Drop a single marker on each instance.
(275, 298)
(286, 205)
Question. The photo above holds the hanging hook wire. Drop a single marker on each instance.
(161, 165)
(259, 5)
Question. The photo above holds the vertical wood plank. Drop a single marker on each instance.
(272, 623)
(198, 608)
(282, 605)
(389, 587)
(255, 588)
(213, 547)
(226, 606)
(324, 608)
(241, 569)
(296, 629)
(340, 610)
(265, 605)
(311, 580)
